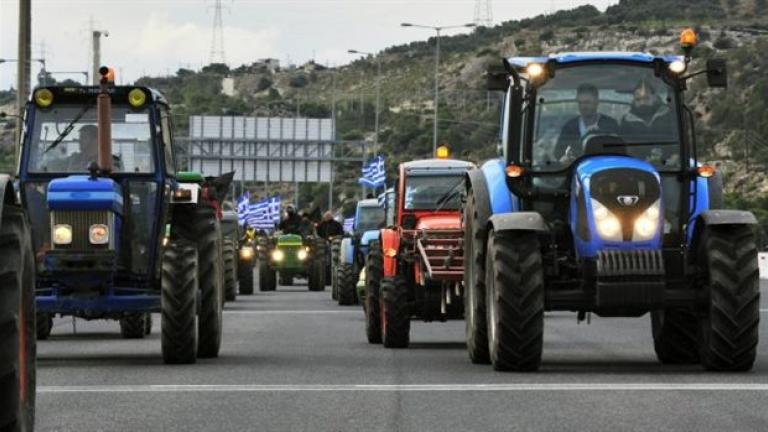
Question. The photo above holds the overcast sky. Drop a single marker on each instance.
(157, 37)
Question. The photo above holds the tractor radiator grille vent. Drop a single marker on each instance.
(81, 221)
(630, 263)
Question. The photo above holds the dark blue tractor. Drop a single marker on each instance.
(117, 232)
(599, 205)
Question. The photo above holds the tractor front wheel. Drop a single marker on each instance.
(395, 312)
(674, 336)
(44, 325)
(374, 271)
(515, 300)
(335, 252)
(133, 325)
(474, 284)
(230, 270)
(347, 284)
(728, 329)
(245, 277)
(179, 285)
(267, 276)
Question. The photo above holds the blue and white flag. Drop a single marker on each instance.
(274, 208)
(349, 225)
(242, 207)
(374, 174)
(264, 214)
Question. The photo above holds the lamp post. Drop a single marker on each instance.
(437, 30)
(378, 100)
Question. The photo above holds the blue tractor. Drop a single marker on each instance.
(599, 205)
(117, 232)
(369, 217)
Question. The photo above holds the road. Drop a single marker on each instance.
(294, 361)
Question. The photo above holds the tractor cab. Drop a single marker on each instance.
(81, 206)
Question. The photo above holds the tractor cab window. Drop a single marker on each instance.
(430, 192)
(64, 140)
(370, 218)
(605, 109)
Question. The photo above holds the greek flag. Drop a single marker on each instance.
(274, 209)
(242, 208)
(374, 174)
(264, 214)
(349, 225)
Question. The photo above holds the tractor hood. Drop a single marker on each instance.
(452, 221)
(285, 240)
(369, 236)
(85, 193)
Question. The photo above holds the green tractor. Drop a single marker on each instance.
(291, 255)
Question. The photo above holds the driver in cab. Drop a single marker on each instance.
(589, 121)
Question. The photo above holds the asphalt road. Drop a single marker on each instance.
(294, 361)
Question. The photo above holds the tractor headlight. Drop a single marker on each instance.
(278, 255)
(647, 223)
(608, 225)
(62, 234)
(302, 254)
(246, 253)
(98, 234)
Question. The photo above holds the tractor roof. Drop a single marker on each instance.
(431, 165)
(370, 202)
(598, 56)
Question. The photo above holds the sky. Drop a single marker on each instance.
(157, 37)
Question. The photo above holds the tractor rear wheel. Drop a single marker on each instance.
(347, 284)
(474, 284)
(515, 299)
(267, 276)
(211, 279)
(335, 252)
(728, 331)
(178, 320)
(245, 277)
(17, 321)
(317, 267)
(395, 312)
(674, 336)
(133, 326)
(374, 271)
(230, 270)
(44, 325)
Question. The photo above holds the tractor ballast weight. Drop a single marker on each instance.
(417, 267)
(617, 219)
(117, 232)
(369, 216)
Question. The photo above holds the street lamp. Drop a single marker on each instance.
(437, 30)
(378, 99)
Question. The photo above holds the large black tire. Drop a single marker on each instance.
(515, 300)
(675, 333)
(179, 285)
(474, 281)
(347, 281)
(267, 276)
(335, 251)
(18, 348)
(148, 324)
(374, 271)
(395, 312)
(316, 275)
(245, 277)
(133, 326)
(286, 279)
(230, 270)
(44, 325)
(729, 324)
(211, 280)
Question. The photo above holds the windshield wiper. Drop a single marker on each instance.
(448, 195)
(67, 130)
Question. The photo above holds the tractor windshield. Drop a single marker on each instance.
(605, 109)
(370, 218)
(63, 140)
(428, 192)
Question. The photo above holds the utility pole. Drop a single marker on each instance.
(23, 66)
(96, 61)
(378, 98)
(217, 38)
(483, 14)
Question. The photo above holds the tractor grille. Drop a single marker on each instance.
(633, 279)
(81, 221)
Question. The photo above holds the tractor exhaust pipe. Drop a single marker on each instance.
(104, 121)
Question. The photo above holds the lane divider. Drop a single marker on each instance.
(538, 387)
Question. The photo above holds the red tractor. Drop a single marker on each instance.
(416, 268)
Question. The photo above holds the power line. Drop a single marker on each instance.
(217, 37)
(483, 14)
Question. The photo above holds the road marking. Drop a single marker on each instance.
(291, 312)
(764, 310)
(256, 388)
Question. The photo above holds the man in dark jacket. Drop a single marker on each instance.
(648, 118)
(329, 227)
(291, 223)
(588, 121)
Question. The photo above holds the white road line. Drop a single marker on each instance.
(292, 312)
(764, 310)
(539, 387)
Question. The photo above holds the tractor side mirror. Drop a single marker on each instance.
(717, 73)
(497, 80)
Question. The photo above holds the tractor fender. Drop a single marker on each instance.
(719, 217)
(475, 181)
(500, 200)
(390, 247)
(520, 221)
(7, 195)
(346, 251)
